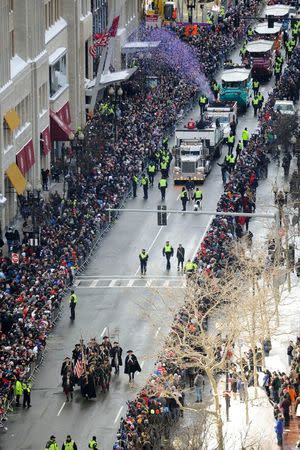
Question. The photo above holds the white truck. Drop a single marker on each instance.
(194, 151)
(224, 113)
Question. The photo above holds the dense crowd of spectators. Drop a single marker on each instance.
(239, 196)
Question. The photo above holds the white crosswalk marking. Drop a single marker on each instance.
(122, 282)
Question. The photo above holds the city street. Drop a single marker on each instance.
(111, 299)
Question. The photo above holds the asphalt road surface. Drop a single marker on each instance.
(113, 300)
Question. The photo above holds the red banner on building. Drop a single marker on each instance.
(64, 113)
(46, 141)
(25, 158)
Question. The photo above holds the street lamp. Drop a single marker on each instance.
(3, 201)
(77, 144)
(191, 5)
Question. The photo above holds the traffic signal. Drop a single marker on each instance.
(271, 20)
(161, 215)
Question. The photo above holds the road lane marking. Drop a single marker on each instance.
(130, 283)
(118, 415)
(157, 331)
(155, 239)
(112, 283)
(202, 237)
(94, 283)
(63, 405)
(102, 334)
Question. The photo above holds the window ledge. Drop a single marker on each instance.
(58, 93)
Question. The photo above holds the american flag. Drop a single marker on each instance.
(78, 369)
(103, 39)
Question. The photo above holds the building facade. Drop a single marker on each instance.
(44, 67)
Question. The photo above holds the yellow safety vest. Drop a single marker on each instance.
(69, 445)
(245, 135)
(255, 84)
(53, 446)
(163, 165)
(183, 194)
(18, 388)
(255, 101)
(144, 181)
(168, 248)
(198, 194)
(74, 297)
(92, 444)
(143, 255)
(189, 266)
(151, 168)
(26, 387)
(230, 139)
(163, 182)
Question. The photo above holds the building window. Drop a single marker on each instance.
(43, 98)
(58, 75)
(52, 12)
(7, 135)
(22, 110)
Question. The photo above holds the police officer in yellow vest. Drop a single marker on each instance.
(190, 267)
(203, 100)
(197, 197)
(145, 185)
(255, 86)
(162, 185)
(239, 148)
(168, 252)
(230, 142)
(245, 137)
(260, 100)
(51, 444)
(231, 162)
(18, 391)
(93, 445)
(290, 45)
(215, 88)
(26, 385)
(151, 169)
(135, 181)
(243, 50)
(165, 143)
(250, 32)
(164, 169)
(143, 256)
(72, 304)
(69, 444)
(184, 198)
(255, 104)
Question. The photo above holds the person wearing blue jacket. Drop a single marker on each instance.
(279, 429)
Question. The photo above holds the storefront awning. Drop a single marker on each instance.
(12, 119)
(16, 178)
(60, 130)
(25, 158)
(135, 47)
(46, 141)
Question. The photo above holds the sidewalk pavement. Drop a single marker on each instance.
(17, 223)
(261, 427)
